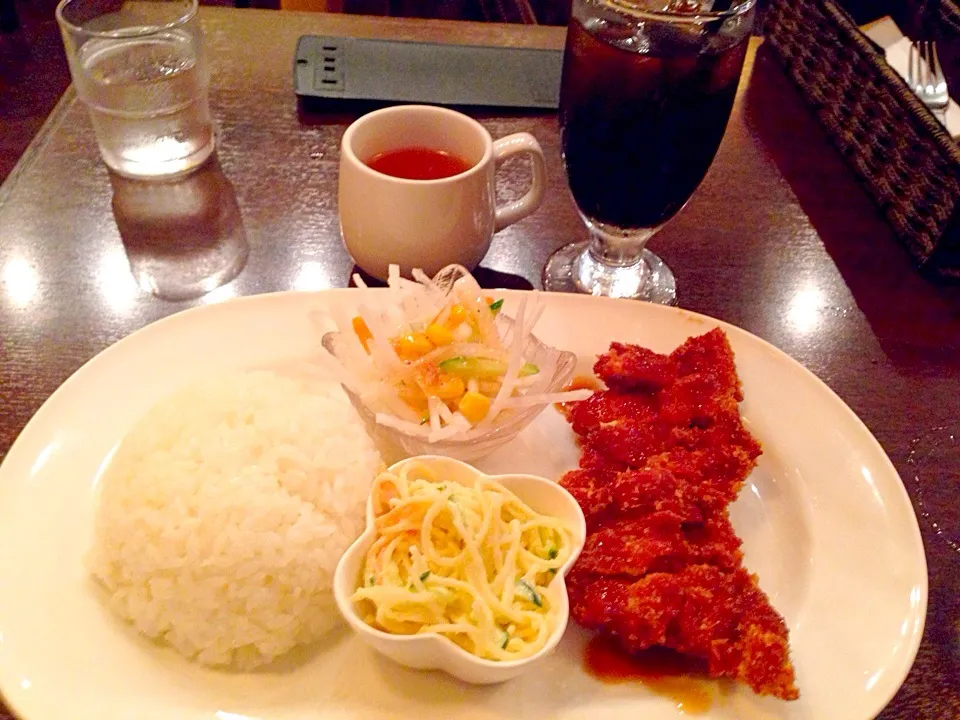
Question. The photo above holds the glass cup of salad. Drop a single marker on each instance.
(443, 368)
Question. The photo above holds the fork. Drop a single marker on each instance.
(926, 79)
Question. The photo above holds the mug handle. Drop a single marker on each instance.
(518, 144)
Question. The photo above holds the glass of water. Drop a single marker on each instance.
(140, 69)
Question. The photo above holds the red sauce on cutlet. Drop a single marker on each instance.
(580, 382)
(664, 672)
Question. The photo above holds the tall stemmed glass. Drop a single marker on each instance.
(646, 94)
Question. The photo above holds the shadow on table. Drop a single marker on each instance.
(914, 319)
(183, 237)
(485, 276)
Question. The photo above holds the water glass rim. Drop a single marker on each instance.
(630, 7)
(128, 32)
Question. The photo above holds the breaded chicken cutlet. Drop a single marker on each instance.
(664, 453)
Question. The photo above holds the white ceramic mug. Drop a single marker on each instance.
(427, 224)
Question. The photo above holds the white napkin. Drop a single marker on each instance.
(897, 48)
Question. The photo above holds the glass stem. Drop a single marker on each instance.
(613, 263)
(617, 250)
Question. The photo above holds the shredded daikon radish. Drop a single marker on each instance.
(393, 274)
(383, 354)
(393, 320)
(444, 315)
(420, 302)
(388, 395)
(410, 288)
(462, 333)
(445, 413)
(427, 282)
(518, 401)
(405, 303)
(528, 381)
(513, 366)
(444, 433)
(380, 394)
(388, 420)
(359, 281)
(350, 351)
(471, 297)
(432, 404)
(436, 294)
(536, 312)
(340, 372)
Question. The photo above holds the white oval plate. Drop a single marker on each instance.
(825, 519)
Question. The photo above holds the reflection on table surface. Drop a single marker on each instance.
(184, 237)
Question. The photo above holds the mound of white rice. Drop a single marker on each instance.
(224, 512)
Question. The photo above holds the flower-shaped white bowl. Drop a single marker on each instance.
(431, 651)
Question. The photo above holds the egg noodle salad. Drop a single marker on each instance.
(469, 563)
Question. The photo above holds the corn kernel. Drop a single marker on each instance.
(439, 334)
(474, 406)
(458, 313)
(412, 346)
(446, 387)
(362, 331)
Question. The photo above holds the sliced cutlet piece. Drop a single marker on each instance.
(631, 368)
(606, 407)
(722, 618)
(658, 543)
(593, 494)
(709, 354)
(728, 620)
(655, 489)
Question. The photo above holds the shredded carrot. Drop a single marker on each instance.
(398, 513)
(363, 332)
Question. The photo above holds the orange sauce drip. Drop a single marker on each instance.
(580, 382)
(664, 672)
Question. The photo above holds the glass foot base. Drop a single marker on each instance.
(153, 168)
(574, 269)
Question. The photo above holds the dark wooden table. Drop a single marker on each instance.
(779, 240)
